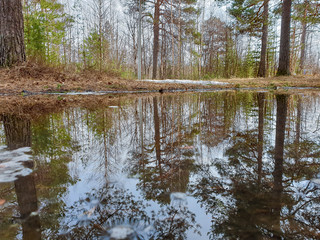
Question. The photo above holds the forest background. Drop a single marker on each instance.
(181, 39)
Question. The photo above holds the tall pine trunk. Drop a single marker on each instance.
(303, 46)
(156, 30)
(12, 48)
(303, 38)
(284, 57)
(264, 40)
(179, 42)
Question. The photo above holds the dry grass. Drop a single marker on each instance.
(43, 79)
(29, 79)
(285, 81)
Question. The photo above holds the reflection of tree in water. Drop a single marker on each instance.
(172, 223)
(101, 210)
(112, 206)
(52, 147)
(18, 134)
(164, 164)
(275, 206)
(158, 186)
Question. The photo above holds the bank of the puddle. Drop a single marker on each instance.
(209, 165)
(186, 82)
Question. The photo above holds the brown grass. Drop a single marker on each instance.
(37, 79)
(19, 84)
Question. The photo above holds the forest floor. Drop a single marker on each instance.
(35, 79)
(37, 82)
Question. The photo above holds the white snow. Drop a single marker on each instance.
(183, 81)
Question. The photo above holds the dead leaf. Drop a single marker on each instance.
(2, 202)
(187, 147)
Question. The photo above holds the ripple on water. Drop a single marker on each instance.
(13, 163)
(121, 232)
(178, 196)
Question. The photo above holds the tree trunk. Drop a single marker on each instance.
(261, 99)
(18, 134)
(282, 101)
(179, 42)
(156, 30)
(17, 131)
(172, 41)
(28, 203)
(157, 130)
(284, 57)
(293, 51)
(226, 65)
(303, 38)
(303, 46)
(12, 48)
(264, 40)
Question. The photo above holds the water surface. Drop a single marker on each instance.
(219, 165)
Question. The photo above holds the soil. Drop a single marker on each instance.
(24, 89)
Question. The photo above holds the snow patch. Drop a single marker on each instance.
(185, 82)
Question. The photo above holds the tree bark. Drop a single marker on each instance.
(284, 57)
(303, 38)
(303, 46)
(264, 40)
(156, 30)
(226, 66)
(179, 42)
(12, 48)
(172, 41)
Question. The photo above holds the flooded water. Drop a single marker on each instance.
(221, 165)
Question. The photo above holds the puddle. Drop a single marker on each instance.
(210, 165)
(14, 164)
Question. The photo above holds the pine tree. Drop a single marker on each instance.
(45, 28)
(284, 56)
(251, 19)
(12, 48)
(307, 13)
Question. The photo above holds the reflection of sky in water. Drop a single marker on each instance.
(89, 169)
(12, 163)
(109, 144)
